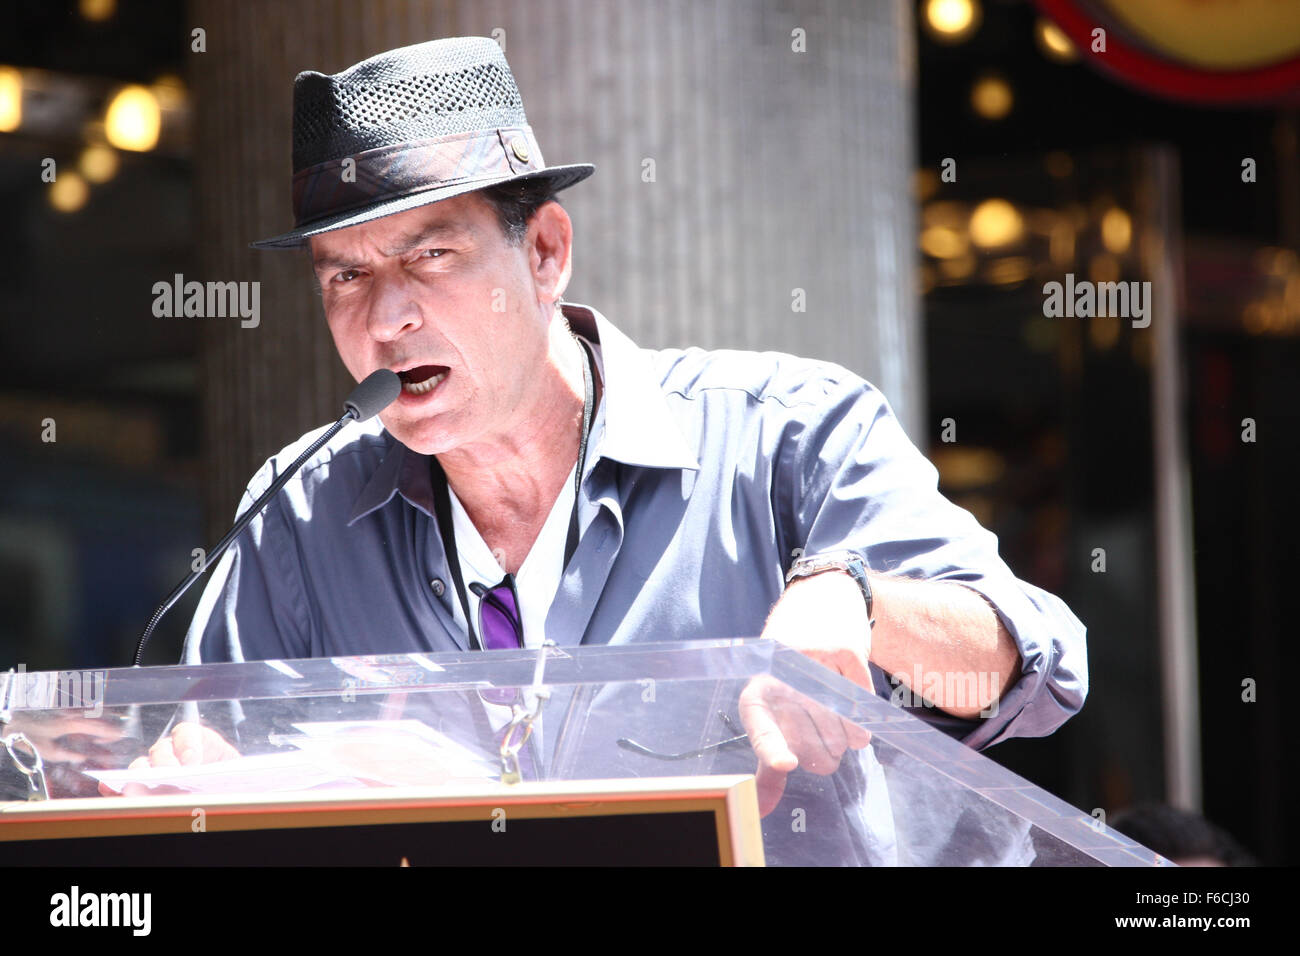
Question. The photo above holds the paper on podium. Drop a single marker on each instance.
(392, 752)
(329, 754)
(265, 773)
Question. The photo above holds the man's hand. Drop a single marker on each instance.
(188, 743)
(930, 627)
(788, 730)
(825, 618)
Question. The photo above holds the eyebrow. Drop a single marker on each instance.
(404, 244)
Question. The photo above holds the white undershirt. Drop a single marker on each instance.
(539, 576)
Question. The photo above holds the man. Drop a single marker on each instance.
(541, 477)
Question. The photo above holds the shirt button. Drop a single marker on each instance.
(438, 586)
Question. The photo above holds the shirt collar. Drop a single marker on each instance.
(639, 427)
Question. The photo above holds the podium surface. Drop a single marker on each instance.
(875, 784)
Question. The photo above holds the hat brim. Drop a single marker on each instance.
(561, 177)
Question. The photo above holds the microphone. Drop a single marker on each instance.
(372, 395)
(376, 392)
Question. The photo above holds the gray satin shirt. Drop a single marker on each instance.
(707, 471)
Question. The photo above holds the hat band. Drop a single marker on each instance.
(392, 172)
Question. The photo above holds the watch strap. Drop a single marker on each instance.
(847, 561)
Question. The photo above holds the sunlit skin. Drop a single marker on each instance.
(440, 285)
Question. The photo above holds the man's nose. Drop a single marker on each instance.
(394, 307)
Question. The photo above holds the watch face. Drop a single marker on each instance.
(810, 565)
(817, 563)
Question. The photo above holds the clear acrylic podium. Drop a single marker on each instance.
(900, 794)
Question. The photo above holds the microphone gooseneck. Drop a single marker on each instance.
(375, 393)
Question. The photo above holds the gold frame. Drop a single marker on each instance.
(732, 799)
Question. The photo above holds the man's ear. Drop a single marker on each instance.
(550, 249)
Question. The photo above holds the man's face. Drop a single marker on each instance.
(438, 295)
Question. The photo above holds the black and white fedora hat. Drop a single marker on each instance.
(407, 128)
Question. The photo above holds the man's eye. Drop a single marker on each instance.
(433, 253)
(347, 275)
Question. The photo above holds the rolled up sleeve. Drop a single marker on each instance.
(856, 482)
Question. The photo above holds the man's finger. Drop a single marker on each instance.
(770, 784)
(775, 759)
(834, 735)
(187, 739)
(818, 739)
(163, 754)
(129, 789)
(858, 737)
(195, 744)
(765, 734)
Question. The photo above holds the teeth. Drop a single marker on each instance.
(422, 388)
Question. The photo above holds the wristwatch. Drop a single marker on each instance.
(846, 561)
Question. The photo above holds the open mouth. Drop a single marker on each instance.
(422, 379)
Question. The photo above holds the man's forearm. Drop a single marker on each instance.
(942, 640)
(948, 637)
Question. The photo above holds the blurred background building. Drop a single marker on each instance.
(889, 184)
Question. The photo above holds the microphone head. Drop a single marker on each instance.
(376, 392)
